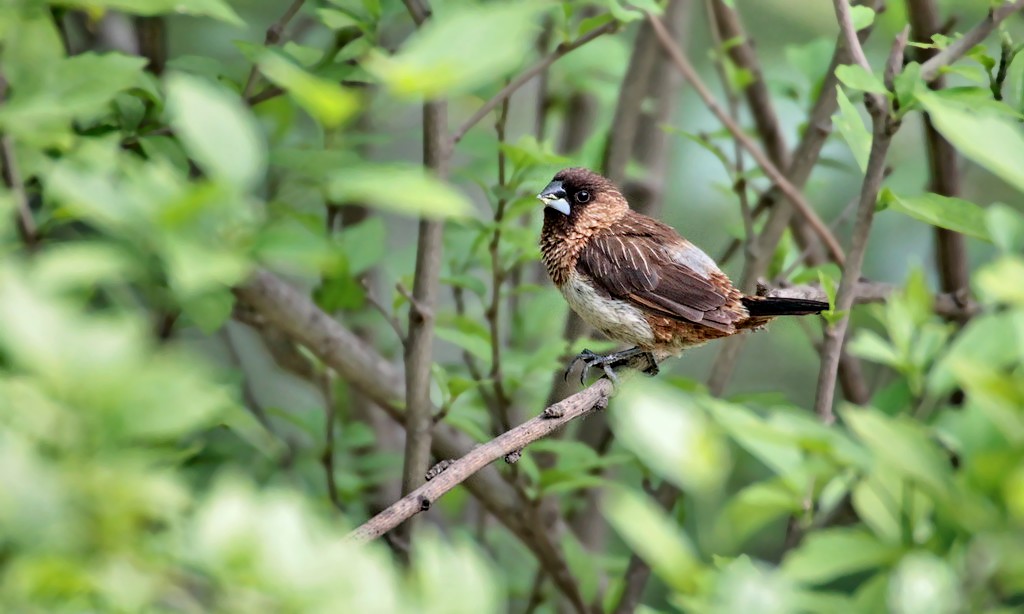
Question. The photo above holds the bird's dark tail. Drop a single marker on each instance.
(774, 306)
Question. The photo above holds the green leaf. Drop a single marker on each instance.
(325, 100)
(857, 77)
(217, 130)
(1005, 227)
(402, 189)
(209, 310)
(655, 537)
(217, 9)
(863, 16)
(869, 345)
(1003, 281)
(70, 88)
(988, 340)
(906, 84)
(459, 50)
(668, 431)
(993, 141)
(900, 445)
(754, 507)
(833, 553)
(925, 583)
(946, 212)
(851, 125)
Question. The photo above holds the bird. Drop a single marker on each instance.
(638, 281)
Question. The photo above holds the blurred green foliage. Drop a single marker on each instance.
(154, 457)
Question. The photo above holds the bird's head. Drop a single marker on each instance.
(579, 195)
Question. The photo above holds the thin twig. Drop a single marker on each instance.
(739, 183)
(389, 317)
(849, 33)
(773, 173)
(728, 26)
(272, 37)
(493, 311)
(528, 74)
(12, 179)
(327, 457)
(965, 43)
(580, 404)
(883, 128)
(417, 10)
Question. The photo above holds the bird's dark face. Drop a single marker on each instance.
(578, 194)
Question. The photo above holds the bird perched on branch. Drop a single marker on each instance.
(637, 281)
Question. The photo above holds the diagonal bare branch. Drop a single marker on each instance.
(774, 174)
(554, 417)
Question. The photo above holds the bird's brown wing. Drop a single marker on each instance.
(637, 265)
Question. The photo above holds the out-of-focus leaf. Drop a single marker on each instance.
(746, 586)
(209, 310)
(402, 189)
(900, 445)
(752, 508)
(365, 244)
(885, 502)
(655, 537)
(468, 335)
(217, 9)
(833, 553)
(993, 141)
(1003, 281)
(1005, 227)
(436, 559)
(68, 88)
(459, 49)
(851, 126)
(668, 431)
(923, 582)
(326, 101)
(990, 340)
(869, 345)
(862, 16)
(217, 130)
(857, 77)
(943, 211)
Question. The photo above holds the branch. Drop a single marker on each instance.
(772, 171)
(420, 348)
(883, 128)
(949, 55)
(272, 37)
(946, 304)
(498, 275)
(849, 34)
(950, 247)
(730, 28)
(12, 179)
(280, 305)
(578, 405)
(804, 159)
(528, 74)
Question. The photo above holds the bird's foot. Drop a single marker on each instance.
(633, 358)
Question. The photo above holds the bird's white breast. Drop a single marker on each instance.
(617, 319)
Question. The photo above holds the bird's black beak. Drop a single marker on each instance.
(554, 196)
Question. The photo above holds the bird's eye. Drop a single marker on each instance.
(582, 196)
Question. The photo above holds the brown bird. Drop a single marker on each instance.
(637, 281)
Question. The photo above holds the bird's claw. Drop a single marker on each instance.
(634, 358)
